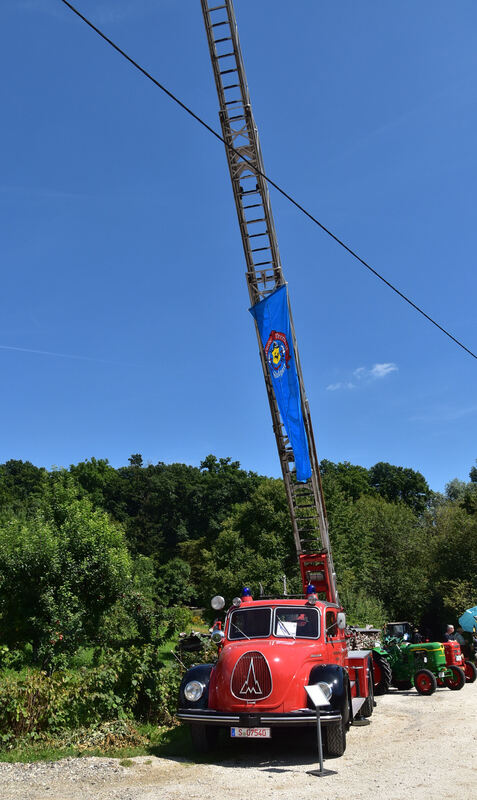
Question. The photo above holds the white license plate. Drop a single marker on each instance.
(250, 733)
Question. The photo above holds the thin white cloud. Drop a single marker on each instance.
(60, 355)
(381, 370)
(333, 387)
(364, 375)
(358, 373)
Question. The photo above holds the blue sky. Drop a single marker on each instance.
(123, 317)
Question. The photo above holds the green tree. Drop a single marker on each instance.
(400, 483)
(255, 548)
(384, 547)
(60, 571)
(22, 486)
(351, 479)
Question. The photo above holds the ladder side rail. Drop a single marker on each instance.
(245, 130)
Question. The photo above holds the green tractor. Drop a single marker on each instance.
(419, 665)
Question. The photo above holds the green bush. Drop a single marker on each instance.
(60, 571)
(130, 683)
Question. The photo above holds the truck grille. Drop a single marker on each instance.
(251, 677)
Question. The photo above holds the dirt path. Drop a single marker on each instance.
(415, 746)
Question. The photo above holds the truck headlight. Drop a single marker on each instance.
(193, 691)
(217, 636)
(326, 689)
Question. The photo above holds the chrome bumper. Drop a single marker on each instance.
(254, 720)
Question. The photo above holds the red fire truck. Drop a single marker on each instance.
(270, 649)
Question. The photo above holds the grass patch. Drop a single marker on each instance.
(157, 741)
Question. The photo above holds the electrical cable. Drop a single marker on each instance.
(269, 180)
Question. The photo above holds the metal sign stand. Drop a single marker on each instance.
(318, 698)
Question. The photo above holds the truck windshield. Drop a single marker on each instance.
(297, 623)
(249, 623)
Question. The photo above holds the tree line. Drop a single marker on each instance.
(98, 555)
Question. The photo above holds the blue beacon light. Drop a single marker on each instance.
(310, 589)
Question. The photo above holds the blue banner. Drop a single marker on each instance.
(273, 320)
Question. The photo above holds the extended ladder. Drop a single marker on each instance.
(264, 271)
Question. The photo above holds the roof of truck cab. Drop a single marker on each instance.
(283, 601)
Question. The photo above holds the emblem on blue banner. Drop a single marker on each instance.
(277, 353)
(273, 322)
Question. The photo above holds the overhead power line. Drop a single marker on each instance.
(269, 180)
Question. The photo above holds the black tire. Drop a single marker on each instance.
(402, 685)
(425, 682)
(368, 706)
(458, 679)
(383, 674)
(204, 737)
(335, 739)
(470, 672)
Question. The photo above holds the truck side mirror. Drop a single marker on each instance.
(341, 619)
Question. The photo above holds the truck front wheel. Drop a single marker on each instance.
(425, 681)
(204, 737)
(335, 739)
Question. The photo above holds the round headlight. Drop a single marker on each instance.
(217, 602)
(193, 691)
(236, 602)
(217, 635)
(326, 689)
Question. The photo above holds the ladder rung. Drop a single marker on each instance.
(256, 205)
(226, 71)
(225, 55)
(216, 24)
(233, 102)
(215, 8)
(232, 86)
(256, 249)
(239, 116)
(251, 191)
(262, 263)
(253, 235)
(252, 221)
(224, 38)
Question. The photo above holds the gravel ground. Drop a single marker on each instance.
(414, 746)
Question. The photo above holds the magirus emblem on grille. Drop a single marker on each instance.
(251, 685)
(251, 677)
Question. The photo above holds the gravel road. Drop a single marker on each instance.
(415, 746)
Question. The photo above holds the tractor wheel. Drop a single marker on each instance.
(335, 739)
(368, 706)
(204, 737)
(402, 685)
(382, 674)
(425, 681)
(458, 679)
(470, 672)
